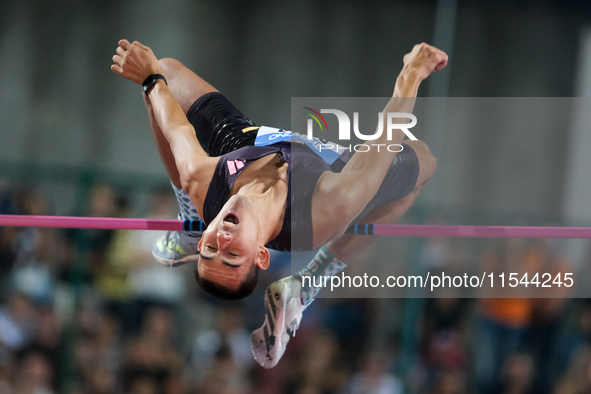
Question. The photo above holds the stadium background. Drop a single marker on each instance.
(91, 312)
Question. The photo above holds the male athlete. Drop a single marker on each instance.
(243, 192)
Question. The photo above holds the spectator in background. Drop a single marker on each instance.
(503, 321)
(98, 353)
(544, 256)
(435, 252)
(450, 382)
(143, 385)
(101, 380)
(228, 342)
(38, 252)
(48, 340)
(95, 243)
(224, 376)
(18, 320)
(34, 375)
(111, 277)
(321, 366)
(7, 367)
(374, 377)
(517, 375)
(153, 285)
(30, 202)
(577, 338)
(152, 354)
(12, 241)
(7, 252)
(577, 379)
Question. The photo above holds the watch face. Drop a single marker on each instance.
(150, 81)
(148, 85)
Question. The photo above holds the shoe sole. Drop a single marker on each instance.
(176, 263)
(265, 344)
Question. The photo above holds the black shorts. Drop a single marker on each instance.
(219, 125)
(400, 180)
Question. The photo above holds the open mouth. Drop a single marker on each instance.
(231, 219)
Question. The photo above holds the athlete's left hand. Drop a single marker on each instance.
(423, 60)
(135, 61)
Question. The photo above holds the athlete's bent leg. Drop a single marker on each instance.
(283, 313)
(346, 247)
(184, 84)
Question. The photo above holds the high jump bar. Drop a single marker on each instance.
(408, 230)
(100, 223)
(428, 230)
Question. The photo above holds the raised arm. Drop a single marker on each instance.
(340, 197)
(136, 62)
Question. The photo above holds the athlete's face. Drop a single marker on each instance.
(230, 245)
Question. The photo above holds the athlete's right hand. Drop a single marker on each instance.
(423, 60)
(135, 61)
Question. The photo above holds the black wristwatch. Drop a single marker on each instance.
(149, 82)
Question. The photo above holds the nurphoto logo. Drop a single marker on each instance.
(345, 124)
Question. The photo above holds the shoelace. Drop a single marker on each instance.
(297, 325)
(168, 234)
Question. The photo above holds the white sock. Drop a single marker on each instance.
(188, 211)
(323, 264)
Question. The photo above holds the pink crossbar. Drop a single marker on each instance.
(418, 230)
(89, 222)
(408, 230)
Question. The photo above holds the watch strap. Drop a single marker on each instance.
(150, 81)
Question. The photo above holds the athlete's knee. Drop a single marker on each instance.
(170, 66)
(427, 162)
(184, 84)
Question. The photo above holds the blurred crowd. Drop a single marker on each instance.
(90, 311)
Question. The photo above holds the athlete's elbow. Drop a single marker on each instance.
(187, 175)
(346, 208)
(334, 225)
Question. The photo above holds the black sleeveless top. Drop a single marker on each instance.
(304, 170)
(296, 232)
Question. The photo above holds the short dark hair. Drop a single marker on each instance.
(225, 293)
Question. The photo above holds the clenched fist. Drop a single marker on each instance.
(423, 60)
